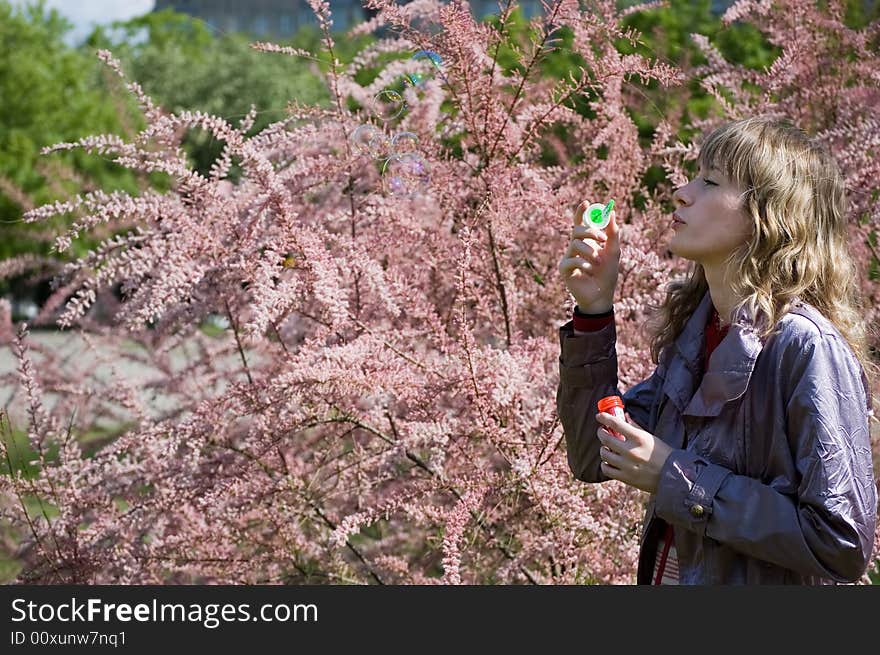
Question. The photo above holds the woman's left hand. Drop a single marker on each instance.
(637, 460)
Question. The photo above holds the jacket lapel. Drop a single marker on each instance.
(730, 366)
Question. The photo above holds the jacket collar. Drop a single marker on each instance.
(730, 366)
(731, 363)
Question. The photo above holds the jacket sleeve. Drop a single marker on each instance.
(823, 527)
(588, 373)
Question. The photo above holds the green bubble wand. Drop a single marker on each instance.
(599, 215)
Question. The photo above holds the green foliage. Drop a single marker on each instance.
(859, 13)
(666, 37)
(182, 65)
(48, 93)
(19, 457)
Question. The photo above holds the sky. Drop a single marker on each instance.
(85, 14)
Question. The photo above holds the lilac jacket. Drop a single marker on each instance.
(775, 484)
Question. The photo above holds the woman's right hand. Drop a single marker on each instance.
(589, 266)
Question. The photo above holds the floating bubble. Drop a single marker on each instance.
(361, 138)
(388, 104)
(435, 60)
(429, 54)
(407, 174)
(404, 142)
(370, 140)
(380, 146)
(417, 79)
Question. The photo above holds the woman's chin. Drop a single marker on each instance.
(672, 250)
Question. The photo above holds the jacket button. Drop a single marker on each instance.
(697, 511)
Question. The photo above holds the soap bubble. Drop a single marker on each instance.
(382, 148)
(406, 174)
(435, 60)
(362, 138)
(370, 140)
(404, 142)
(430, 55)
(405, 171)
(417, 79)
(388, 104)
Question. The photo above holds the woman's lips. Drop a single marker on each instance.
(676, 221)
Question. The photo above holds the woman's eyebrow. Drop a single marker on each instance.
(712, 169)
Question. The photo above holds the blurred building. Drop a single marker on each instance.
(282, 18)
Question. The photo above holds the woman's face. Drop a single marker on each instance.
(715, 224)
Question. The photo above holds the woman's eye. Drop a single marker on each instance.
(708, 182)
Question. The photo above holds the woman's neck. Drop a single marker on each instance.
(720, 294)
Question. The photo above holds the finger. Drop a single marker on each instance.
(570, 264)
(618, 461)
(613, 227)
(611, 471)
(585, 245)
(586, 249)
(584, 239)
(579, 212)
(613, 423)
(588, 240)
(608, 440)
(618, 444)
(583, 232)
(610, 420)
(610, 457)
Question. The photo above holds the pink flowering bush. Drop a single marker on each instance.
(390, 417)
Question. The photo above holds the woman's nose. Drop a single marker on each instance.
(680, 196)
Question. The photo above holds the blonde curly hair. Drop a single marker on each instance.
(795, 196)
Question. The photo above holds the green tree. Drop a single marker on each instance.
(663, 35)
(183, 65)
(49, 93)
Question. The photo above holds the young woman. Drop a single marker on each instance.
(752, 435)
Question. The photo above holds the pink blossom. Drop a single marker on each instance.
(380, 408)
